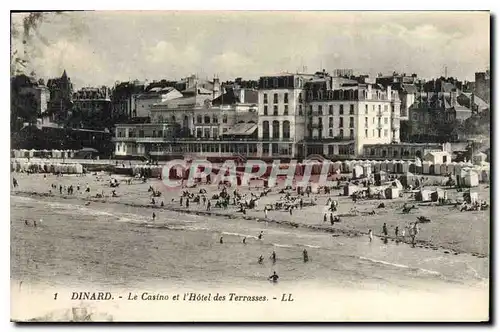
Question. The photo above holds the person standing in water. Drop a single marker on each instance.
(273, 256)
(154, 216)
(261, 259)
(274, 277)
(306, 256)
(370, 235)
(260, 235)
(187, 203)
(244, 240)
(221, 241)
(384, 229)
(396, 232)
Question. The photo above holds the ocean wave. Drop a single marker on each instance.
(399, 265)
(282, 245)
(311, 246)
(241, 235)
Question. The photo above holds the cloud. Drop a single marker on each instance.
(102, 47)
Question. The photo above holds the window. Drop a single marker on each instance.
(160, 133)
(300, 110)
(386, 120)
(199, 132)
(351, 122)
(300, 97)
(366, 122)
(330, 132)
(341, 133)
(199, 119)
(341, 122)
(285, 112)
(373, 120)
(351, 134)
(379, 133)
(206, 133)
(207, 119)
(265, 109)
(320, 110)
(215, 119)
(276, 129)
(286, 98)
(265, 149)
(265, 130)
(310, 109)
(275, 99)
(173, 118)
(224, 130)
(330, 122)
(366, 133)
(286, 129)
(330, 148)
(265, 98)
(445, 159)
(215, 132)
(330, 110)
(224, 118)
(386, 133)
(141, 133)
(351, 109)
(385, 108)
(266, 83)
(341, 109)
(379, 108)
(373, 107)
(275, 82)
(373, 133)
(366, 109)
(275, 110)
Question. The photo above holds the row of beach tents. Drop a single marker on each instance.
(55, 154)
(45, 167)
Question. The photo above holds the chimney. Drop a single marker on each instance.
(389, 92)
(369, 91)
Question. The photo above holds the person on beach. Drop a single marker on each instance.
(261, 259)
(274, 277)
(204, 200)
(332, 220)
(291, 208)
(209, 205)
(60, 189)
(265, 212)
(154, 216)
(301, 203)
(187, 203)
(260, 235)
(370, 235)
(244, 240)
(14, 183)
(396, 232)
(221, 241)
(180, 201)
(324, 217)
(384, 229)
(162, 205)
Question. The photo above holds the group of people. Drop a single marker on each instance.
(412, 229)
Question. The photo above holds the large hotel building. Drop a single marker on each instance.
(288, 116)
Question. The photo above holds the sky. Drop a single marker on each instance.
(103, 47)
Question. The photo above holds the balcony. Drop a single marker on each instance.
(124, 139)
(271, 139)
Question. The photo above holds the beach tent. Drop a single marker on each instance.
(380, 177)
(367, 169)
(426, 167)
(357, 172)
(406, 166)
(376, 167)
(436, 169)
(443, 169)
(390, 166)
(383, 165)
(450, 168)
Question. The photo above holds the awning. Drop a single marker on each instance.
(242, 129)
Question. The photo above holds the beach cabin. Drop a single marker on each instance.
(350, 189)
(436, 195)
(391, 193)
(443, 169)
(479, 158)
(426, 167)
(423, 195)
(438, 157)
(469, 178)
(450, 168)
(408, 179)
